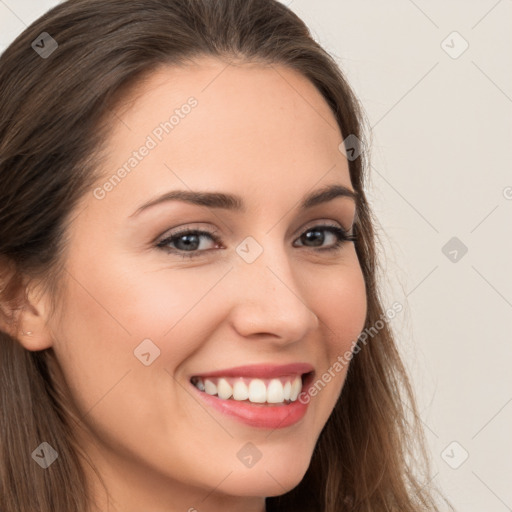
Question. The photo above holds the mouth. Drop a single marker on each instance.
(262, 396)
(281, 390)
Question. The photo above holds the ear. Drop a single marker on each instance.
(24, 315)
(35, 333)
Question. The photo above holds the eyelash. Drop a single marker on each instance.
(341, 235)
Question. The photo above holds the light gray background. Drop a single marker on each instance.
(441, 168)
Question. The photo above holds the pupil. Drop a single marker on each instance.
(190, 240)
(315, 236)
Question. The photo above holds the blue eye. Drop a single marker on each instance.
(187, 241)
(340, 234)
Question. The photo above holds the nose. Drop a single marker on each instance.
(268, 301)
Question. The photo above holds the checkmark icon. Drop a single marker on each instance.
(146, 352)
(351, 147)
(44, 45)
(249, 249)
(249, 455)
(45, 455)
(454, 45)
(454, 249)
(454, 455)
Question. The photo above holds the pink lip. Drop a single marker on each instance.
(268, 416)
(262, 371)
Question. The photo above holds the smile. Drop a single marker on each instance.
(261, 396)
(281, 390)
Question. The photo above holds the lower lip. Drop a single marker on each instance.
(258, 415)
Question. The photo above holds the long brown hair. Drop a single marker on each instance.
(52, 124)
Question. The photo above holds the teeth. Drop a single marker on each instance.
(257, 391)
(275, 392)
(272, 391)
(296, 387)
(240, 390)
(210, 387)
(224, 390)
(286, 390)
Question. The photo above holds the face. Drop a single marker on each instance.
(160, 297)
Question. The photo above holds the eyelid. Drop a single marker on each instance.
(213, 232)
(337, 229)
(195, 226)
(323, 222)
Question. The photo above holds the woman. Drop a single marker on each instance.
(190, 315)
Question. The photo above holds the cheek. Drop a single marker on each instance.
(111, 310)
(341, 305)
(347, 312)
(119, 397)
(340, 302)
(120, 305)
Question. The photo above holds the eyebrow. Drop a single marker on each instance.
(236, 203)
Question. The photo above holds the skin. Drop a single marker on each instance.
(267, 135)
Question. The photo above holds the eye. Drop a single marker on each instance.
(316, 236)
(186, 242)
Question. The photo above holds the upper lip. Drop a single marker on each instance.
(264, 371)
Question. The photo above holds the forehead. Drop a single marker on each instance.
(252, 127)
(221, 83)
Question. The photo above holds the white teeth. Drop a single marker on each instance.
(286, 390)
(273, 391)
(224, 390)
(296, 387)
(240, 390)
(210, 387)
(257, 391)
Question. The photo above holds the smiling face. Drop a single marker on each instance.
(266, 286)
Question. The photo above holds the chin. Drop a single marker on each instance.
(270, 478)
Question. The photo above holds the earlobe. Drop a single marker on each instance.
(25, 319)
(35, 340)
(34, 332)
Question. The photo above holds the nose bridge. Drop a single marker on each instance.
(269, 298)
